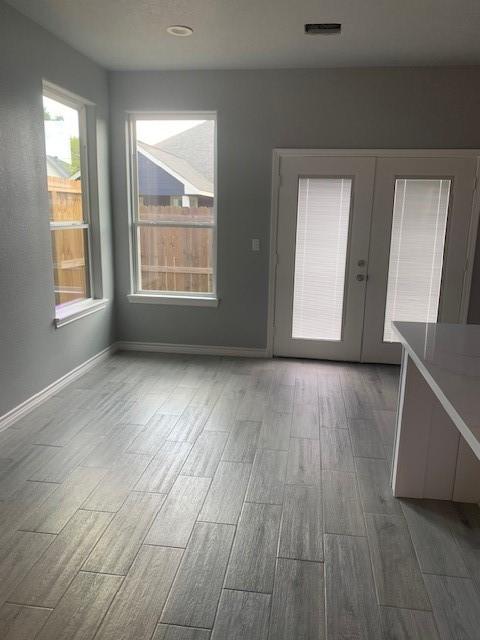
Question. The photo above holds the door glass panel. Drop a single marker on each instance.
(419, 224)
(323, 213)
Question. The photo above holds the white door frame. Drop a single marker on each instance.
(277, 156)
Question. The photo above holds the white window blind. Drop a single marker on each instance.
(419, 224)
(323, 213)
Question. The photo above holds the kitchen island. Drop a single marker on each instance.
(437, 442)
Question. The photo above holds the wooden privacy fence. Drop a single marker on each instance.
(163, 213)
(65, 197)
(176, 258)
(68, 245)
(171, 258)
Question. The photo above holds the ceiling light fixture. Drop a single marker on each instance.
(179, 30)
(322, 28)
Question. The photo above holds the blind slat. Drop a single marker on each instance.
(416, 251)
(323, 213)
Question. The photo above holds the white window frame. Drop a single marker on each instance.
(138, 295)
(70, 311)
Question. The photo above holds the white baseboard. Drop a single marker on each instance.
(192, 349)
(161, 347)
(28, 405)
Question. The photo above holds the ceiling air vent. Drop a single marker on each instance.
(322, 28)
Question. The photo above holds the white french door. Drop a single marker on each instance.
(362, 241)
(323, 234)
(421, 218)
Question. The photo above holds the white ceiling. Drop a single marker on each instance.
(251, 34)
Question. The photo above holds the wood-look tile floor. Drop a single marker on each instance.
(193, 498)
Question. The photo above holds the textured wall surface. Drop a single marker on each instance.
(32, 352)
(258, 111)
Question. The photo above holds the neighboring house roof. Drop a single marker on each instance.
(58, 168)
(154, 180)
(196, 146)
(195, 182)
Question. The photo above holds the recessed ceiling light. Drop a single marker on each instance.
(179, 30)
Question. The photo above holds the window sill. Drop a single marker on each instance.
(191, 301)
(78, 310)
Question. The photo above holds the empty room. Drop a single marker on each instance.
(239, 320)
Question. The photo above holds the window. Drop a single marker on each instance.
(67, 181)
(173, 206)
(416, 251)
(323, 213)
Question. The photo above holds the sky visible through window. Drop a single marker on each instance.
(153, 131)
(61, 124)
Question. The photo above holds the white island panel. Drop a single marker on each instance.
(437, 448)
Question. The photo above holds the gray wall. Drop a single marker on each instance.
(32, 352)
(258, 111)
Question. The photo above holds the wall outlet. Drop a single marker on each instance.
(255, 244)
